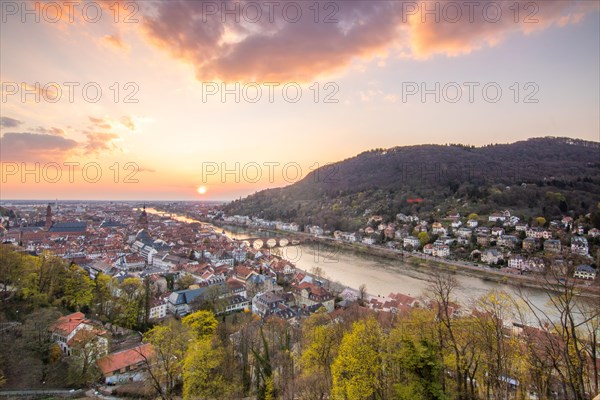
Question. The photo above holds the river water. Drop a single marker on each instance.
(380, 275)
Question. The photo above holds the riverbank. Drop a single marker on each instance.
(432, 264)
(420, 261)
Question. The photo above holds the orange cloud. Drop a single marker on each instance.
(99, 142)
(272, 48)
(115, 41)
(484, 25)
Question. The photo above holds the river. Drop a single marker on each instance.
(380, 275)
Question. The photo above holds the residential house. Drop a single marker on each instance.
(438, 229)
(400, 234)
(552, 245)
(579, 245)
(491, 256)
(368, 240)
(521, 227)
(239, 255)
(483, 230)
(440, 249)
(472, 223)
(538, 233)
(584, 271)
(158, 309)
(594, 232)
(126, 365)
(496, 217)
(530, 244)
(267, 303)
(516, 262)
(497, 231)
(180, 302)
(483, 240)
(309, 294)
(411, 241)
(464, 233)
(428, 249)
(534, 264)
(508, 241)
(567, 222)
(73, 328)
(232, 304)
(259, 284)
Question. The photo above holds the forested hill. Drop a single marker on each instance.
(541, 176)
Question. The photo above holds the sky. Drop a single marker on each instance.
(215, 100)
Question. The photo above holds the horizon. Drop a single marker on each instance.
(151, 100)
(4, 176)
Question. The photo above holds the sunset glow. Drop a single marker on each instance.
(149, 94)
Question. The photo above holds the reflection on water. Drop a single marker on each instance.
(380, 275)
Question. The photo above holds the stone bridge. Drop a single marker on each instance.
(269, 243)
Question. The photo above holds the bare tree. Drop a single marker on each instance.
(452, 334)
(569, 344)
(362, 294)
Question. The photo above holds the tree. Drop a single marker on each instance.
(170, 342)
(131, 303)
(318, 272)
(413, 365)
(540, 221)
(442, 291)
(423, 238)
(362, 294)
(38, 336)
(263, 369)
(499, 350)
(474, 216)
(357, 372)
(87, 347)
(202, 371)
(202, 324)
(77, 288)
(103, 298)
(322, 339)
(10, 267)
(563, 339)
(185, 281)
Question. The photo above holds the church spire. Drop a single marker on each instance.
(48, 217)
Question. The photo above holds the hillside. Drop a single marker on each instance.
(541, 176)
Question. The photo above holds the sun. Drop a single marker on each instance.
(202, 189)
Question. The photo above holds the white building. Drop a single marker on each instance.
(585, 272)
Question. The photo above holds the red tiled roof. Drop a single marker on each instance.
(67, 324)
(116, 361)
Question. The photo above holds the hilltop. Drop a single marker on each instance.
(536, 177)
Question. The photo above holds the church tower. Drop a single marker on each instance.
(48, 217)
(143, 219)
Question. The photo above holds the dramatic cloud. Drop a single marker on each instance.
(36, 147)
(6, 122)
(484, 25)
(280, 50)
(260, 42)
